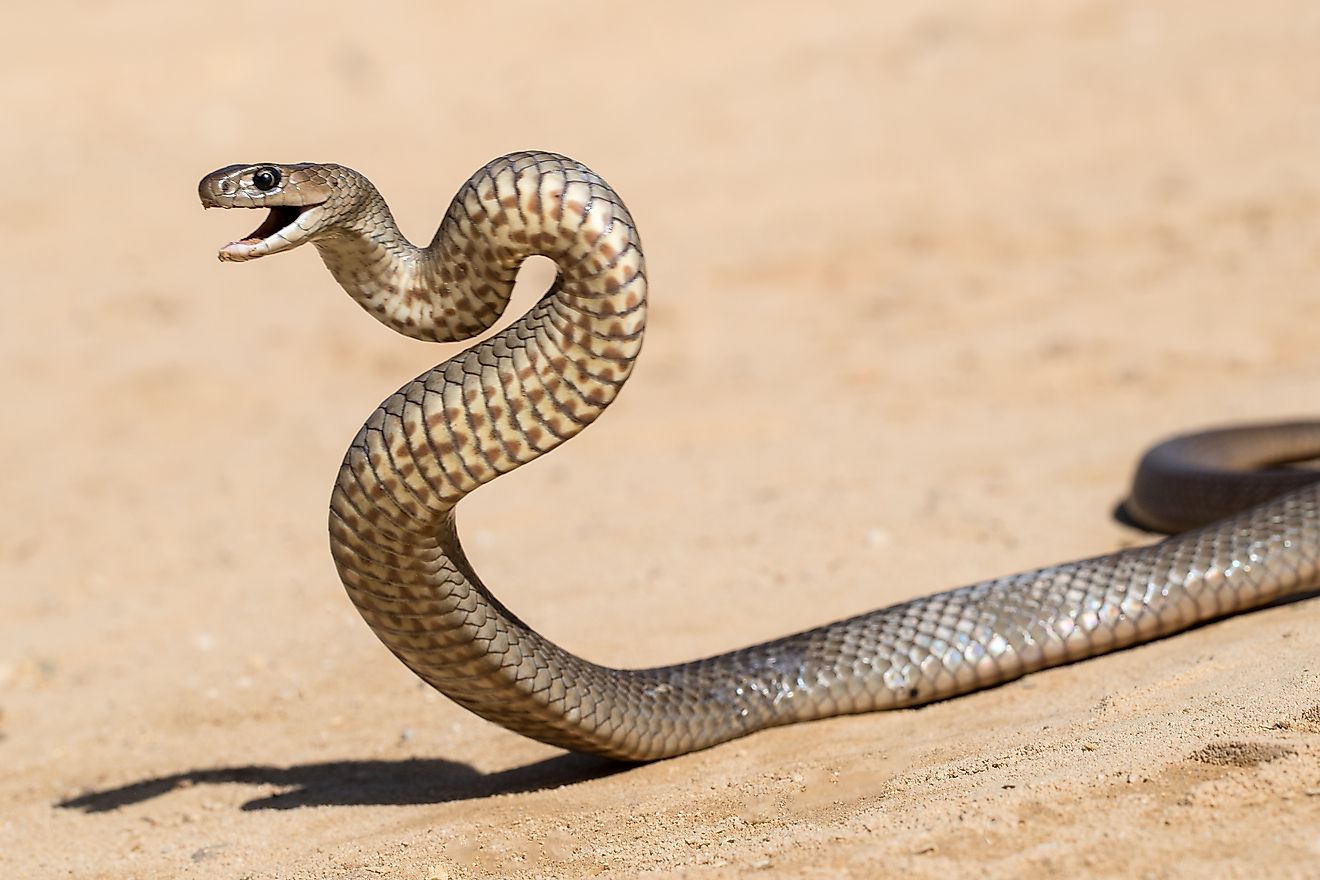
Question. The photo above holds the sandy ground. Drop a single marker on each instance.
(927, 277)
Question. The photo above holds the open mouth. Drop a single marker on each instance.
(280, 217)
(279, 231)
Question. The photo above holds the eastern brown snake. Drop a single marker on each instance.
(522, 392)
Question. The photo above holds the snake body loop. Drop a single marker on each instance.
(524, 391)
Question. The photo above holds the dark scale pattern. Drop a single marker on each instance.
(523, 392)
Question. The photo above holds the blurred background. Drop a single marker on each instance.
(926, 278)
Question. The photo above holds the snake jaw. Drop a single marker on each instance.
(285, 227)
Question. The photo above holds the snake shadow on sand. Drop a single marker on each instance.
(360, 783)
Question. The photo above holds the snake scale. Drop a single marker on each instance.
(522, 392)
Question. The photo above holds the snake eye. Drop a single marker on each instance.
(266, 179)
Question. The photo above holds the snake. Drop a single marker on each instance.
(1245, 515)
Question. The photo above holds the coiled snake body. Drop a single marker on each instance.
(524, 391)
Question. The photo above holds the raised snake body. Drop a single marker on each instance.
(524, 391)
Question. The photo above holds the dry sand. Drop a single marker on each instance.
(927, 277)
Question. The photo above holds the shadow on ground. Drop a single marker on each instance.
(355, 783)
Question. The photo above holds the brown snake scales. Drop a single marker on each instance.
(524, 391)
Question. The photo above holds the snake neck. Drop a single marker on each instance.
(409, 289)
(458, 286)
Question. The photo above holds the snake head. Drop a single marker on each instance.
(302, 199)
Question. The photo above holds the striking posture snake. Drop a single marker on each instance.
(526, 390)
